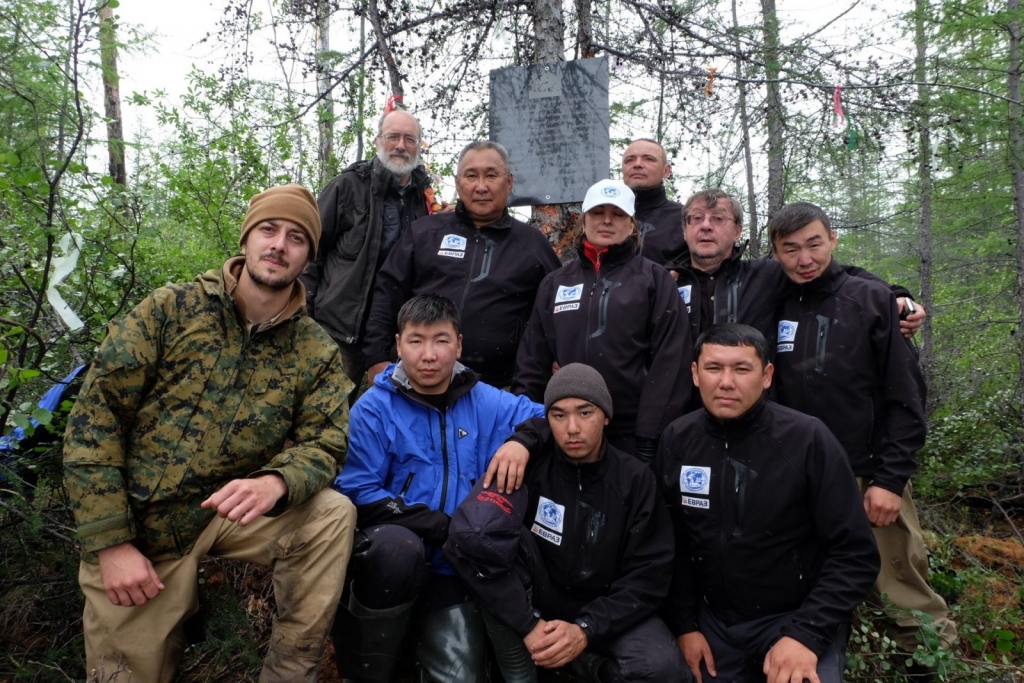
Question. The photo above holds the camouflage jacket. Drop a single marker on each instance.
(182, 399)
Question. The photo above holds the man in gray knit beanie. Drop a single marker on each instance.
(577, 380)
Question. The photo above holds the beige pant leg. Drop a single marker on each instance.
(145, 639)
(308, 549)
(903, 578)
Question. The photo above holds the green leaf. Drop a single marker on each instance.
(42, 416)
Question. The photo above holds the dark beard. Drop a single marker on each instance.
(276, 284)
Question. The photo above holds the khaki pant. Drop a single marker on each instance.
(307, 547)
(903, 579)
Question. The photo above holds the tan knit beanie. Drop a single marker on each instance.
(288, 202)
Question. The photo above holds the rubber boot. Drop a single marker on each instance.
(510, 651)
(367, 641)
(451, 645)
(589, 667)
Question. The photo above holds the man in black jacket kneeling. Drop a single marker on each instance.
(572, 568)
(774, 549)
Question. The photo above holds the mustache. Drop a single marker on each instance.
(276, 256)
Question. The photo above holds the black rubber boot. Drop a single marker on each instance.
(367, 641)
(589, 667)
(510, 651)
(451, 645)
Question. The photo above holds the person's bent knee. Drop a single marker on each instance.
(388, 566)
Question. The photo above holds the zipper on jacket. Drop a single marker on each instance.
(744, 475)
(824, 323)
(732, 301)
(485, 263)
(469, 281)
(406, 485)
(444, 458)
(602, 307)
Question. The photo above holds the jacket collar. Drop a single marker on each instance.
(504, 221)
(737, 427)
(683, 262)
(824, 285)
(651, 197)
(615, 254)
(396, 379)
(221, 284)
(587, 471)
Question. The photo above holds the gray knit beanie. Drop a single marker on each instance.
(577, 380)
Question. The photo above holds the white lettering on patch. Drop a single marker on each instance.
(546, 535)
(702, 503)
(567, 307)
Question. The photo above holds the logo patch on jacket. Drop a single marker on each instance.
(684, 294)
(787, 335)
(551, 515)
(462, 432)
(695, 480)
(566, 294)
(453, 246)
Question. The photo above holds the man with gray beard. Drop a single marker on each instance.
(363, 212)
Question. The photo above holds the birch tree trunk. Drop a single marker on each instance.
(326, 162)
(748, 158)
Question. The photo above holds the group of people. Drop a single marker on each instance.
(660, 461)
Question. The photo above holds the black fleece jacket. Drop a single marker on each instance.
(611, 555)
(768, 519)
(842, 359)
(661, 225)
(628, 323)
(491, 273)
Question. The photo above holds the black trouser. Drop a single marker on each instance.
(739, 650)
(646, 651)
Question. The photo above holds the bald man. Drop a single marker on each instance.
(644, 170)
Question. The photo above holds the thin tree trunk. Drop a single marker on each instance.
(585, 30)
(361, 95)
(112, 96)
(748, 157)
(373, 13)
(549, 31)
(925, 186)
(776, 152)
(1017, 168)
(325, 123)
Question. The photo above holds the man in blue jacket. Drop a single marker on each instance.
(419, 440)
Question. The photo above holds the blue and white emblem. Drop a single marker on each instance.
(567, 297)
(568, 293)
(610, 192)
(695, 480)
(550, 514)
(453, 246)
(787, 335)
(684, 293)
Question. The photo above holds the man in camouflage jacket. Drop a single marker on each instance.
(177, 449)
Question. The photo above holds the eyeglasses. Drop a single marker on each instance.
(394, 138)
(716, 220)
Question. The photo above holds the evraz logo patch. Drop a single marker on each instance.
(684, 293)
(551, 515)
(566, 294)
(453, 246)
(695, 480)
(787, 335)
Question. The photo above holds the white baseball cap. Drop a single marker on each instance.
(612, 192)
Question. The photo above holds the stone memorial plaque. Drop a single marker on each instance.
(553, 119)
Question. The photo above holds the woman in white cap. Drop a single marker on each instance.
(618, 312)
